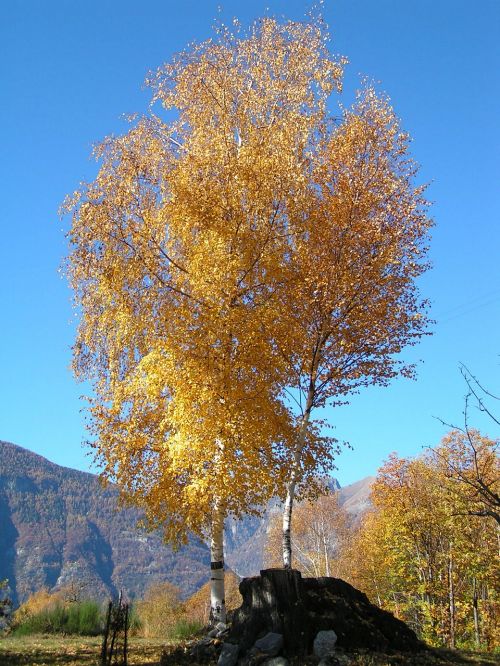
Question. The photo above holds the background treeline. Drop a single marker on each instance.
(427, 550)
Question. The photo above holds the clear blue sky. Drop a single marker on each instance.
(69, 70)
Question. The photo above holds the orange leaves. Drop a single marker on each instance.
(247, 247)
(362, 232)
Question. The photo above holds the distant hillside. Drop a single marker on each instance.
(59, 525)
(355, 498)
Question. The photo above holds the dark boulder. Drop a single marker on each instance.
(282, 602)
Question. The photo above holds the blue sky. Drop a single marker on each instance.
(70, 70)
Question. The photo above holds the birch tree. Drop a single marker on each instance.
(351, 303)
(319, 537)
(178, 248)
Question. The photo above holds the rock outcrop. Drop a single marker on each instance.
(286, 619)
(282, 602)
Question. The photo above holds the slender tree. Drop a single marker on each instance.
(319, 537)
(351, 303)
(178, 248)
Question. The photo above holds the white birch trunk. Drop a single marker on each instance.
(325, 549)
(217, 595)
(451, 593)
(290, 491)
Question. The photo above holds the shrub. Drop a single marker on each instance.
(134, 621)
(185, 628)
(83, 618)
(38, 602)
(160, 610)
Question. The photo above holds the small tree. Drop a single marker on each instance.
(318, 538)
(351, 302)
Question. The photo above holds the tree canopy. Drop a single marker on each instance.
(237, 244)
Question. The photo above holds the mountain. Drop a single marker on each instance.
(355, 498)
(59, 525)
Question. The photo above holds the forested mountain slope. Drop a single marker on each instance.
(59, 525)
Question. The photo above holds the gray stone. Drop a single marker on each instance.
(271, 644)
(276, 661)
(219, 630)
(206, 640)
(229, 655)
(324, 643)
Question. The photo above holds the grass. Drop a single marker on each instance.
(186, 629)
(84, 619)
(53, 650)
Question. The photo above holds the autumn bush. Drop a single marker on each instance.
(162, 614)
(35, 604)
(159, 612)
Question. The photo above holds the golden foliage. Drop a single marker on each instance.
(471, 465)
(423, 556)
(353, 304)
(176, 247)
(247, 247)
(40, 601)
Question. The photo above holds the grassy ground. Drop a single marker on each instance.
(45, 650)
(82, 651)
